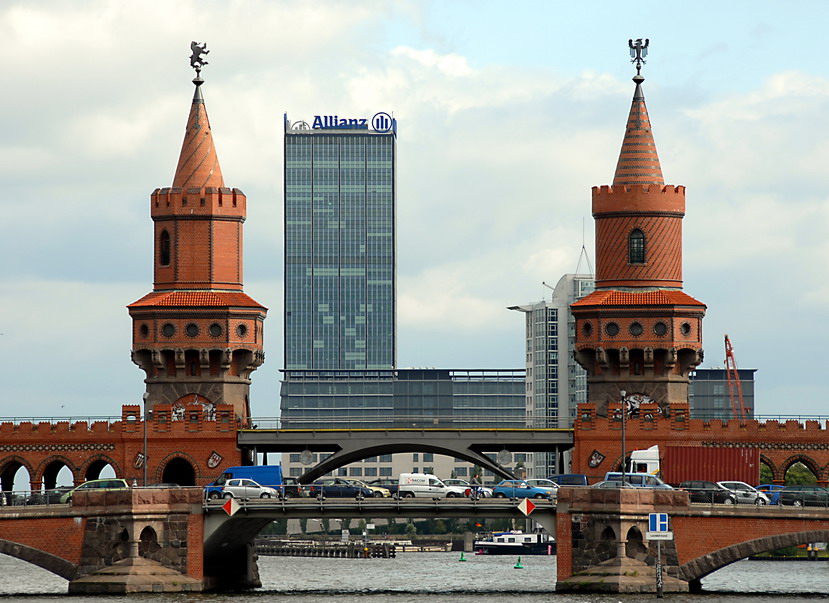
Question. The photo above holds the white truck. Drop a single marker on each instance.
(645, 461)
(425, 485)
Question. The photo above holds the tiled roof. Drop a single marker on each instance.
(196, 298)
(638, 161)
(658, 297)
(198, 164)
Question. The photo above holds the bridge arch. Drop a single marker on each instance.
(698, 568)
(50, 563)
(46, 475)
(775, 471)
(92, 467)
(178, 468)
(351, 452)
(806, 460)
(9, 467)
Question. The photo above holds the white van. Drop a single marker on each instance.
(425, 485)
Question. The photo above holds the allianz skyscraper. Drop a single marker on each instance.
(339, 308)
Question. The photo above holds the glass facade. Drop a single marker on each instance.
(403, 398)
(708, 394)
(339, 249)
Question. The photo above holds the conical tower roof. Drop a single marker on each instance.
(638, 160)
(198, 164)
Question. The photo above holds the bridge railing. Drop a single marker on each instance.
(397, 421)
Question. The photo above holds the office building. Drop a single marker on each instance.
(555, 382)
(339, 243)
(709, 397)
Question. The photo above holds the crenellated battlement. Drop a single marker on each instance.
(201, 202)
(651, 423)
(187, 419)
(639, 199)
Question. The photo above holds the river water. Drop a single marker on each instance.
(441, 578)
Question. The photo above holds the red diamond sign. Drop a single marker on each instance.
(526, 506)
(231, 506)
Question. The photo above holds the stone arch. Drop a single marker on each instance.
(47, 472)
(698, 568)
(178, 468)
(92, 467)
(47, 561)
(775, 471)
(635, 547)
(608, 534)
(148, 542)
(808, 461)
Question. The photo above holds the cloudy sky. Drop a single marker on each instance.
(508, 113)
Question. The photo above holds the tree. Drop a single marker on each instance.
(411, 530)
(799, 474)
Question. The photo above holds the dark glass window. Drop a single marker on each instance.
(164, 248)
(636, 247)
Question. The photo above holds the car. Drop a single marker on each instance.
(291, 488)
(377, 491)
(244, 488)
(804, 496)
(95, 484)
(477, 489)
(538, 482)
(772, 491)
(745, 494)
(610, 484)
(338, 487)
(50, 497)
(518, 488)
(638, 480)
(389, 483)
(569, 479)
(707, 492)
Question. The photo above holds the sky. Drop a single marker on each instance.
(508, 114)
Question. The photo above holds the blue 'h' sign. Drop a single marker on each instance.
(658, 522)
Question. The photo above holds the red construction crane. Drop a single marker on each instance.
(738, 409)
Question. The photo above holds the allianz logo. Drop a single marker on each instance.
(381, 122)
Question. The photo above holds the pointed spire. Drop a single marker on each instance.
(638, 160)
(198, 164)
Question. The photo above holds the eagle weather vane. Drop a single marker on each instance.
(638, 52)
(196, 59)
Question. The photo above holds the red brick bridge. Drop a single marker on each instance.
(602, 544)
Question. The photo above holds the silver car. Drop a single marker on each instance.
(745, 494)
(247, 488)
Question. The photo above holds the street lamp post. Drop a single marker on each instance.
(144, 421)
(624, 412)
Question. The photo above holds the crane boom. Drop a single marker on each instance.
(738, 409)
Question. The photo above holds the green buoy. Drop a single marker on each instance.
(518, 565)
(462, 557)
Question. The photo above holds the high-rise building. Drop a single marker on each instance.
(555, 382)
(340, 243)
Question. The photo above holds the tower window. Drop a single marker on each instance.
(636, 247)
(164, 248)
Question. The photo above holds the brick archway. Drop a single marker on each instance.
(698, 568)
(807, 461)
(98, 458)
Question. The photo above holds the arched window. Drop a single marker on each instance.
(636, 247)
(164, 248)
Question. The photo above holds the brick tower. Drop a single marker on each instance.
(638, 332)
(197, 335)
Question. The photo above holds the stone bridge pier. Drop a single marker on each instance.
(601, 540)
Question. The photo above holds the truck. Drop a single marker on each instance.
(264, 475)
(425, 485)
(708, 463)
